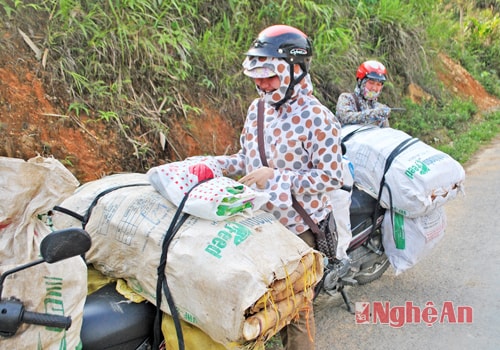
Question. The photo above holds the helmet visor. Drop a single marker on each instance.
(376, 76)
(259, 72)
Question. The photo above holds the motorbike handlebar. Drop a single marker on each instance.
(346, 188)
(47, 320)
(13, 314)
(397, 109)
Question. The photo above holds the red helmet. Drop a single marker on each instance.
(373, 70)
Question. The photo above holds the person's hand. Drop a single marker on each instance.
(383, 112)
(387, 111)
(378, 116)
(258, 177)
(385, 121)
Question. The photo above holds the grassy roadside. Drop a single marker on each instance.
(468, 143)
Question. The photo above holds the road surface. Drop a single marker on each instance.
(461, 271)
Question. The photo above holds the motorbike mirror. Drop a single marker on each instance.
(56, 246)
(63, 244)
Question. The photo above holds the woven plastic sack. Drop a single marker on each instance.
(213, 197)
(411, 239)
(220, 273)
(174, 180)
(419, 179)
(220, 198)
(29, 189)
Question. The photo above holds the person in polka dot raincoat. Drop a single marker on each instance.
(362, 107)
(302, 145)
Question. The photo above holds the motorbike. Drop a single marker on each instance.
(110, 321)
(366, 252)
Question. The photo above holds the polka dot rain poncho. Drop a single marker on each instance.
(302, 147)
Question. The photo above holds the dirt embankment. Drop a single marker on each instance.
(34, 121)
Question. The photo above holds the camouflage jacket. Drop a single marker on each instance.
(363, 112)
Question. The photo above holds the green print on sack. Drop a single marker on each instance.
(399, 231)
(232, 231)
(422, 166)
(188, 316)
(53, 300)
(54, 305)
(419, 167)
(236, 204)
(231, 209)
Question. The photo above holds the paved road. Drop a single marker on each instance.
(463, 269)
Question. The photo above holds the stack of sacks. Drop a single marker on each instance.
(420, 178)
(239, 280)
(417, 181)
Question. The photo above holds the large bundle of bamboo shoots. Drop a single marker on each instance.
(239, 280)
(279, 305)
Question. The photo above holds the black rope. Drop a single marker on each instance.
(395, 152)
(161, 283)
(85, 218)
(360, 129)
(68, 212)
(398, 150)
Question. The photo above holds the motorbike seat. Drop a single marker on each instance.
(111, 321)
(362, 203)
